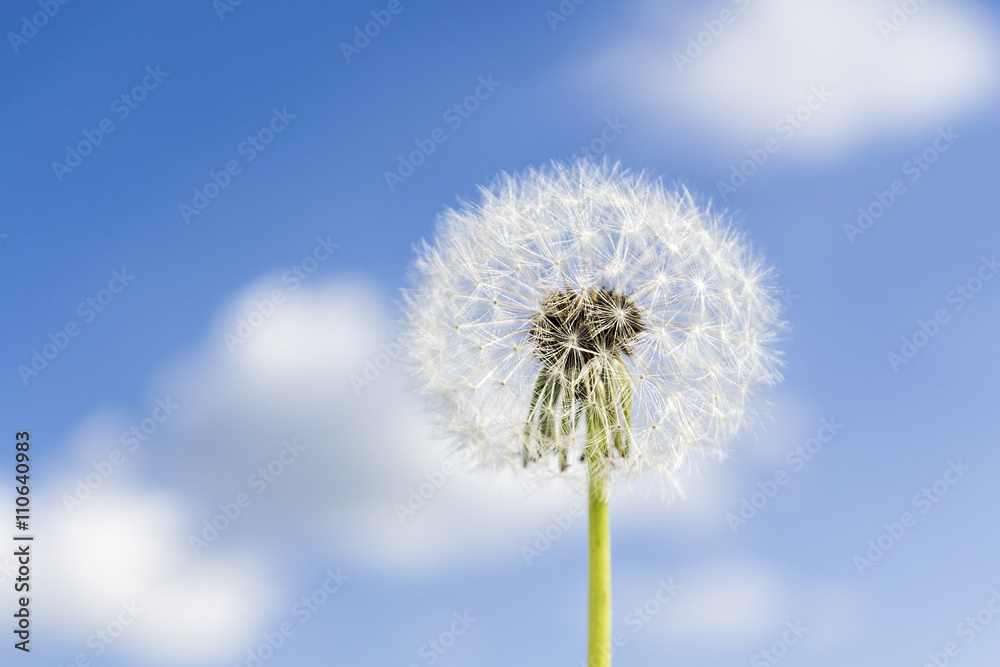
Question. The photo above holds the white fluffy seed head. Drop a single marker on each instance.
(598, 282)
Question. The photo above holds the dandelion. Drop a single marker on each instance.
(583, 322)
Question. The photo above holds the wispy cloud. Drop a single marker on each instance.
(117, 574)
(735, 70)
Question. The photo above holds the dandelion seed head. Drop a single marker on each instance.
(586, 296)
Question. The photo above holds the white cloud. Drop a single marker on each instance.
(761, 66)
(119, 564)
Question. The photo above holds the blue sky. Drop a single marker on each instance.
(310, 235)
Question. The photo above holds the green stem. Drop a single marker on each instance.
(599, 641)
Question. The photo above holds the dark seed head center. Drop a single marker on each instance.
(576, 326)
